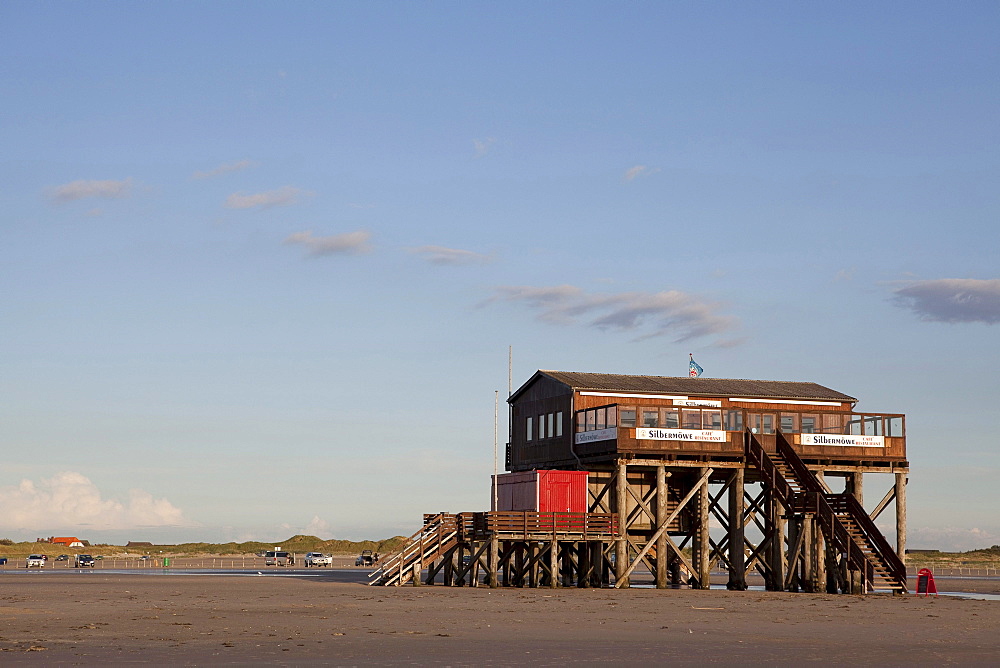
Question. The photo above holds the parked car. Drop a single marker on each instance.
(318, 559)
(365, 559)
(273, 558)
(83, 561)
(3, 561)
(62, 557)
(35, 561)
(145, 557)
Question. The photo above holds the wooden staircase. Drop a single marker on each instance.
(438, 535)
(845, 523)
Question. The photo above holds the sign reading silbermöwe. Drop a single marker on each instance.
(855, 441)
(680, 434)
(710, 403)
(597, 435)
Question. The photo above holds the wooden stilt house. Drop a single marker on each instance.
(666, 455)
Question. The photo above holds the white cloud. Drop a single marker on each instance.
(280, 197)
(953, 300)
(319, 528)
(846, 274)
(482, 146)
(70, 501)
(225, 169)
(669, 313)
(450, 256)
(82, 189)
(351, 243)
(634, 172)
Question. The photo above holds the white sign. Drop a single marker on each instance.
(597, 435)
(711, 403)
(680, 435)
(854, 441)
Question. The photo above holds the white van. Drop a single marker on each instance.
(272, 558)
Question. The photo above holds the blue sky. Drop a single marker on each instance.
(262, 262)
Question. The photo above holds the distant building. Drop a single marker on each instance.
(68, 541)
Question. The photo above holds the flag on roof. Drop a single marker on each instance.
(694, 369)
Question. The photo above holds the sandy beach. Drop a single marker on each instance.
(93, 617)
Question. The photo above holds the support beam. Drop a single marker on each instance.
(901, 516)
(494, 562)
(700, 487)
(883, 504)
(703, 546)
(856, 486)
(777, 547)
(737, 524)
(661, 516)
(621, 505)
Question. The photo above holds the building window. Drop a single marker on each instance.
(602, 420)
(649, 418)
(734, 420)
(712, 419)
(691, 419)
(552, 425)
(627, 417)
(768, 423)
(789, 423)
(541, 426)
(809, 424)
(528, 430)
(559, 420)
(670, 418)
(873, 426)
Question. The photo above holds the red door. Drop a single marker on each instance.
(559, 493)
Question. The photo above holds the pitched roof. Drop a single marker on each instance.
(694, 387)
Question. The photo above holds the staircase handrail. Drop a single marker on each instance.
(803, 476)
(435, 527)
(815, 497)
(838, 535)
(769, 472)
(895, 565)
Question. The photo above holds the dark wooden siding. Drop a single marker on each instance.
(542, 397)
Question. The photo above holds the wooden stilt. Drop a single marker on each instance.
(737, 555)
(661, 516)
(793, 576)
(901, 516)
(809, 570)
(554, 563)
(621, 506)
(819, 545)
(494, 561)
(777, 543)
(703, 564)
(583, 564)
(856, 486)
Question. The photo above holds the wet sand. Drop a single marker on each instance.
(93, 617)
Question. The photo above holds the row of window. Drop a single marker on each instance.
(668, 418)
(550, 425)
(606, 417)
